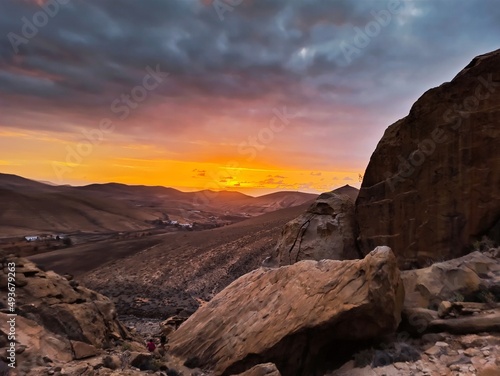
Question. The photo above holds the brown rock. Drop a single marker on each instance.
(431, 187)
(139, 359)
(489, 370)
(434, 351)
(83, 350)
(60, 313)
(170, 325)
(455, 309)
(444, 309)
(471, 352)
(38, 341)
(479, 341)
(288, 315)
(466, 325)
(268, 369)
(327, 230)
(456, 279)
(417, 320)
(77, 370)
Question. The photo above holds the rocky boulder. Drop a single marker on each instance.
(431, 186)
(473, 277)
(291, 316)
(268, 369)
(57, 318)
(327, 230)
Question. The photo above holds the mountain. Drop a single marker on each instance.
(352, 192)
(8, 181)
(28, 206)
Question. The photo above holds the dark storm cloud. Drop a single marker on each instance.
(92, 51)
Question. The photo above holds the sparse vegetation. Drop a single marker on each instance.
(485, 296)
(457, 297)
(126, 346)
(154, 364)
(483, 245)
(388, 354)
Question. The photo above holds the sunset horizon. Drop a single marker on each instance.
(211, 186)
(199, 95)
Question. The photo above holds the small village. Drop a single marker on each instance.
(45, 237)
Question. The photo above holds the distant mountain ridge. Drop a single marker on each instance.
(28, 206)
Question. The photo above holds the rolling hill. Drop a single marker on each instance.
(28, 206)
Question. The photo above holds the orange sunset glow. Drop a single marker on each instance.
(259, 98)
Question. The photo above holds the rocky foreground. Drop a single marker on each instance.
(354, 317)
(62, 328)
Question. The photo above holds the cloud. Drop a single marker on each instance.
(226, 78)
(347, 178)
(199, 173)
(271, 181)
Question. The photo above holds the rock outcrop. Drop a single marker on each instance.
(57, 319)
(327, 230)
(290, 315)
(431, 186)
(472, 277)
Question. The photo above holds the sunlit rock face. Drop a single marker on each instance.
(290, 315)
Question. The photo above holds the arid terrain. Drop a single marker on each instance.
(165, 274)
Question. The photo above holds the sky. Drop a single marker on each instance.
(248, 95)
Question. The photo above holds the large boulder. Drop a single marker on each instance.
(58, 318)
(327, 230)
(290, 315)
(473, 277)
(431, 186)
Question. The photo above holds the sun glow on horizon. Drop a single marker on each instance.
(66, 159)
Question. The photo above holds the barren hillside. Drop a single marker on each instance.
(167, 273)
(28, 207)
